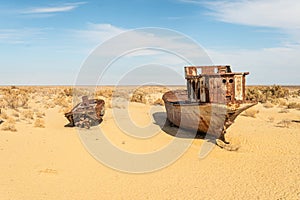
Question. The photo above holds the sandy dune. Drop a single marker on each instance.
(52, 162)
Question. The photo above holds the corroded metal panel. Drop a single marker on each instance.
(229, 88)
(190, 71)
(202, 89)
(216, 90)
(238, 80)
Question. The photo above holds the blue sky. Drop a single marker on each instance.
(46, 42)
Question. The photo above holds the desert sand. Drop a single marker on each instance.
(41, 159)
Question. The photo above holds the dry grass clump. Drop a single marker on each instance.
(293, 105)
(282, 102)
(9, 125)
(27, 114)
(268, 105)
(295, 93)
(40, 114)
(250, 113)
(3, 114)
(68, 92)
(15, 114)
(283, 111)
(149, 95)
(62, 101)
(104, 92)
(40, 123)
(285, 123)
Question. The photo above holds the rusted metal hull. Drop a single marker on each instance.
(211, 118)
(89, 113)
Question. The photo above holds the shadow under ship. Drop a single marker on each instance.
(215, 96)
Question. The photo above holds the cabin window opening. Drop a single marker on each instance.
(194, 85)
(224, 81)
(199, 71)
(198, 93)
(230, 80)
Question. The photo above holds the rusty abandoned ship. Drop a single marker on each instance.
(87, 113)
(215, 96)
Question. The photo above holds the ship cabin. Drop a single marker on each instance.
(215, 84)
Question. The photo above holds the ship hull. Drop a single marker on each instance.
(211, 118)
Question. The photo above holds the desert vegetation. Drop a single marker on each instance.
(264, 94)
(30, 104)
(270, 96)
(282, 98)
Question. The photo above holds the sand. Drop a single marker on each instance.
(52, 162)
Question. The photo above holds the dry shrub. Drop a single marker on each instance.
(68, 91)
(139, 97)
(39, 123)
(9, 125)
(27, 114)
(254, 94)
(283, 111)
(159, 102)
(268, 105)
(39, 114)
(63, 102)
(285, 123)
(266, 93)
(282, 102)
(295, 93)
(3, 115)
(250, 112)
(105, 92)
(15, 114)
(15, 98)
(293, 105)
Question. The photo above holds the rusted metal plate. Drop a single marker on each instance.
(89, 110)
(238, 81)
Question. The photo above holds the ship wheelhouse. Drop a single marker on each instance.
(215, 84)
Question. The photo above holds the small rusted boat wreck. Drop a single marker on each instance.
(215, 96)
(87, 113)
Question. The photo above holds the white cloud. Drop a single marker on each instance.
(267, 13)
(138, 47)
(97, 33)
(20, 36)
(159, 44)
(277, 65)
(267, 66)
(53, 9)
